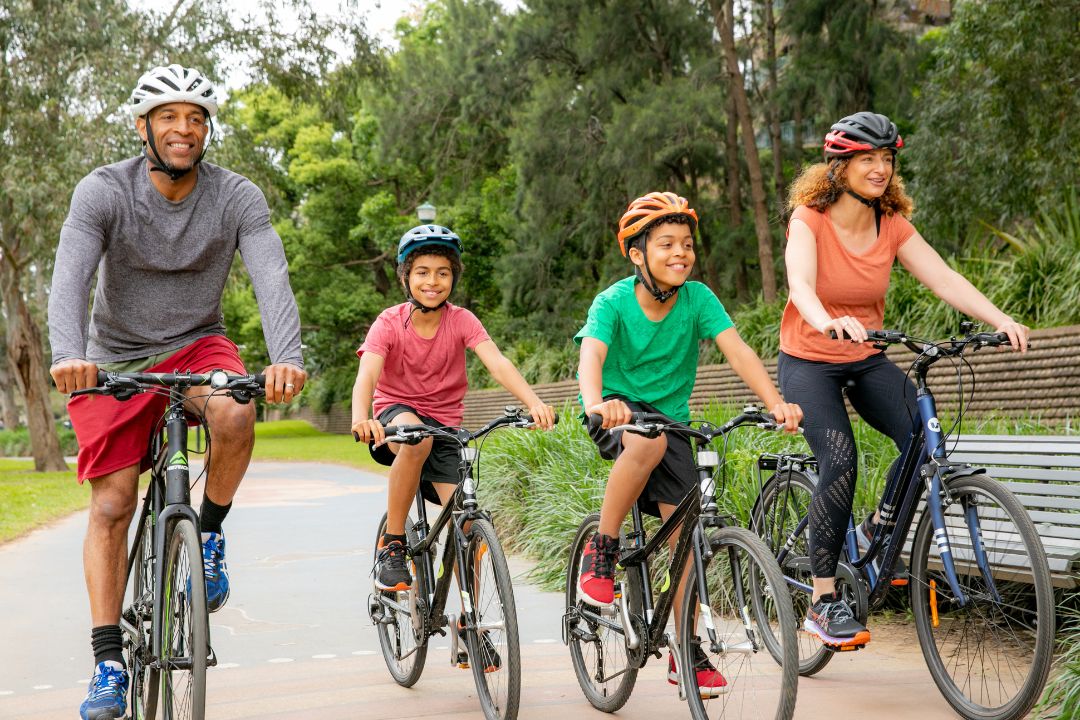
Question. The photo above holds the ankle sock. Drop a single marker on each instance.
(107, 642)
(211, 515)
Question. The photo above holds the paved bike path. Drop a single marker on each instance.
(294, 640)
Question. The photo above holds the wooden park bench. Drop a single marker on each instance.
(1043, 471)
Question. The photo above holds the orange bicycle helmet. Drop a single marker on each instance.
(651, 207)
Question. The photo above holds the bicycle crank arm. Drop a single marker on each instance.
(633, 642)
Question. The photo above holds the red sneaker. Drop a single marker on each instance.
(596, 583)
(709, 680)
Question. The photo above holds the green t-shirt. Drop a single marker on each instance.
(654, 362)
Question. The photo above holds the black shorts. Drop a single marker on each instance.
(443, 464)
(671, 480)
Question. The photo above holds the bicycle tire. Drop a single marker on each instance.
(589, 657)
(185, 631)
(144, 678)
(495, 656)
(404, 649)
(1025, 636)
(775, 518)
(757, 685)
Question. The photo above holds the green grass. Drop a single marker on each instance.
(296, 440)
(32, 499)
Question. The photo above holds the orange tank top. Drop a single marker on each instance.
(847, 284)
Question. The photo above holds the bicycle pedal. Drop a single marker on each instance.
(843, 648)
(462, 661)
(899, 582)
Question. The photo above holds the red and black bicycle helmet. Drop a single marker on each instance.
(861, 132)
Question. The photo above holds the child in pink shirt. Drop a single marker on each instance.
(412, 370)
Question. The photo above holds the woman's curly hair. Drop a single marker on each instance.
(818, 188)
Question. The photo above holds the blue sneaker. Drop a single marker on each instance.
(217, 573)
(106, 698)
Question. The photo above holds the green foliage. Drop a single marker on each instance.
(996, 115)
(1061, 698)
(16, 442)
(31, 499)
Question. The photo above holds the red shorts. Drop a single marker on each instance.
(113, 435)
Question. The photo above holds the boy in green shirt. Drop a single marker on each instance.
(639, 350)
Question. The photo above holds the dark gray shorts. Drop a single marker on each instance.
(671, 480)
(443, 464)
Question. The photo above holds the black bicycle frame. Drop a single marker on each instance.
(168, 499)
(696, 511)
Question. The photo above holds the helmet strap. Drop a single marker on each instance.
(865, 201)
(645, 278)
(159, 165)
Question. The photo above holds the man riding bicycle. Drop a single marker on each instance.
(161, 230)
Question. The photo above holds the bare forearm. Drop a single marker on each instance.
(504, 373)
(590, 380)
(809, 305)
(957, 291)
(363, 391)
(748, 366)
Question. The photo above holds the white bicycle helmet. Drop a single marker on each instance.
(174, 83)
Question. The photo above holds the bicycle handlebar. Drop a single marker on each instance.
(898, 337)
(652, 424)
(412, 434)
(124, 385)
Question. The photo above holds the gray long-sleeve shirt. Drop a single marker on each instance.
(162, 266)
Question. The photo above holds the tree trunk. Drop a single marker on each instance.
(724, 14)
(798, 137)
(9, 408)
(774, 106)
(734, 192)
(27, 361)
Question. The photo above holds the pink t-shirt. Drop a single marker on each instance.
(428, 375)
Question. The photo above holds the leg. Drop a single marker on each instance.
(112, 503)
(629, 474)
(404, 475)
(232, 432)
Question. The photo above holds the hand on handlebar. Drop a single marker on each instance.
(612, 413)
(369, 431)
(543, 416)
(787, 414)
(1017, 332)
(74, 374)
(284, 381)
(844, 328)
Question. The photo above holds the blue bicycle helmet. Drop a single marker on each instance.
(422, 235)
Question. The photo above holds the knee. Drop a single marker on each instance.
(645, 451)
(417, 453)
(112, 507)
(233, 424)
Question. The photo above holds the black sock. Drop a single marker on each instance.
(387, 538)
(211, 515)
(108, 644)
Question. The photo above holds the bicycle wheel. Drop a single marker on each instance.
(185, 626)
(990, 659)
(402, 628)
(784, 502)
(757, 686)
(492, 631)
(144, 678)
(605, 669)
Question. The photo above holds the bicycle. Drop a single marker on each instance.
(166, 625)
(407, 619)
(980, 615)
(731, 570)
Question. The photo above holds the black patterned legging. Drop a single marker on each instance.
(882, 395)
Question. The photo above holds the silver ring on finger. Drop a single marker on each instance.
(289, 386)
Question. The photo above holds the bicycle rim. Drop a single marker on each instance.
(493, 633)
(755, 685)
(404, 648)
(598, 653)
(185, 631)
(785, 501)
(144, 679)
(990, 659)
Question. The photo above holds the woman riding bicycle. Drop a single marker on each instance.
(849, 223)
